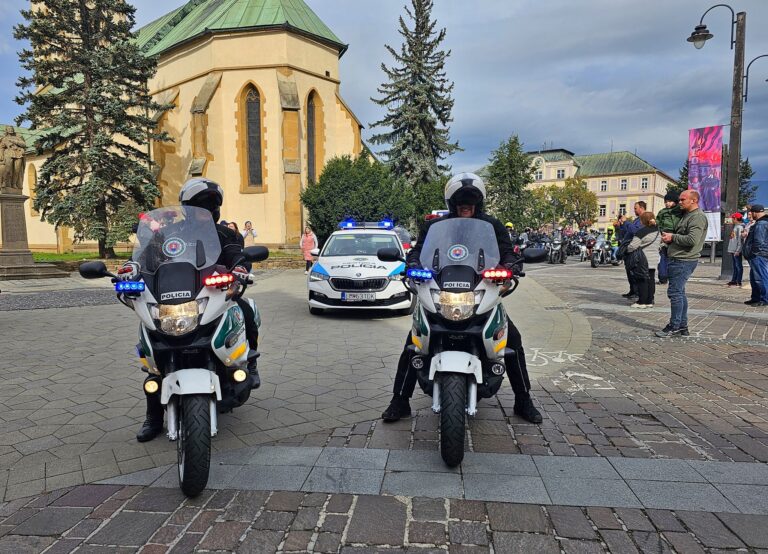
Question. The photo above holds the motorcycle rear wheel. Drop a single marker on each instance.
(193, 446)
(453, 403)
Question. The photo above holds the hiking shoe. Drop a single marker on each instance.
(751, 302)
(525, 409)
(397, 409)
(629, 294)
(669, 331)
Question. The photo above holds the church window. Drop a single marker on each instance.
(311, 140)
(253, 140)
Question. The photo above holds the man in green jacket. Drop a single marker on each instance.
(667, 219)
(684, 249)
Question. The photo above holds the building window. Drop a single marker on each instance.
(623, 184)
(602, 210)
(622, 209)
(561, 173)
(311, 140)
(539, 175)
(644, 183)
(253, 146)
(603, 186)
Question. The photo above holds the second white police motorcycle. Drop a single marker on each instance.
(460, 327)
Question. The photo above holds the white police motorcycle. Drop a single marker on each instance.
(460, 329)
(192, 338)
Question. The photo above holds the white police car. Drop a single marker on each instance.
(349, 275)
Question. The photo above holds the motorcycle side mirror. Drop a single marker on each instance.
(94, 270)
(534, 255)
(389, 255)
(256, 253)
(315, 252)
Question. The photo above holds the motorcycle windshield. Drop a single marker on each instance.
(460, 241)
(176, 234)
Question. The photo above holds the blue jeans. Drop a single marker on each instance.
(663, 263)
(679, 272)
(754, 280)
(738, 269)
(759, 265)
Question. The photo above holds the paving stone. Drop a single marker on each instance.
(245, 506)
(498, 464)
(87, 496)
(327, 543)
(285, 456)
(156, 500)
(506, 488)
(343, 480)
(571, 546)
(339, 503)
(306, 519)
(297, 541)
(167, 534)
(590, 492)
(731, 472)
(187, 543)
(751, 529)
(603, 518)
(16, 544)
(203, 521)
(750, 499)
(314, 499)
(220, 500)
(428, 509)
(83, 529)
(184, 515)
(683, 543)
(651, 542)
(472, 510)
(224, 536)
(656, 470)
(464, 532)
(664, 520)
(129, 529)
(709, 530)
(619, 541)
(267, 478)
(524, 542)
(64, 546)
(570, 467)
(285, 501)
(261, 542)
(353, 458)
(517, 517)
(420, 483)
(107, 509)
(334, 523)
(389, 515)
(681, 496)
(51, 521)
(634, 519)
(426, 532)
(571, 523)
(275, 521)
(466, 549)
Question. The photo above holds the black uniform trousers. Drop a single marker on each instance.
(517, 370)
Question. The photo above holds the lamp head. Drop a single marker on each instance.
(699, 36)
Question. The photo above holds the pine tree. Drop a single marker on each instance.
(747, 191)
(418, 101)
(87, 92)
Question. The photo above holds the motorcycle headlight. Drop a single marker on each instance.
(315, 276)
(178, 319)
(455, 306)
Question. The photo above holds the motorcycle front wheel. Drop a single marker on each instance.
(453, 403)
(193, 446)
(595, 261)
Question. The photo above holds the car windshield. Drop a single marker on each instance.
(351, 244)
(174, 235)
(460, 241)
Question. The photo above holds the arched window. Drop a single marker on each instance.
(253, 137)
(311, 139)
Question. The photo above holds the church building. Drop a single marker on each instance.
(254, 86)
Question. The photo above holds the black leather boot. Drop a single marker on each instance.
(153, 425)
(398, 408)
(253, 373)
(524, 408)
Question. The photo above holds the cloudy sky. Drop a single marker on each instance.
(585, 75)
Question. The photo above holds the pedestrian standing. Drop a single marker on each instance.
(735, 244)
(667, 220)
(755, 250)
(308, 243)
(646, 242)
(628, 230)
(684, 249)
(249, 234)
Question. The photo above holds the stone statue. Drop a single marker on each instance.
(12, 148)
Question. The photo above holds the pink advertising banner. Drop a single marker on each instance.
(705, 162)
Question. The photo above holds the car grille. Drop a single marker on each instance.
(358, 284)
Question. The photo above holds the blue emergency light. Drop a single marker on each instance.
(352, 224)
(419, 274)
(129, 286)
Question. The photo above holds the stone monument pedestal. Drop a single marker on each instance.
(16, 260)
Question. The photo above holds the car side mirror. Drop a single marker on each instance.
(256, 253)
(94, 270)
(389, 255)
(314, 252)
(534, 255)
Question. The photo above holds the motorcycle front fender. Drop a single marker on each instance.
(453, 361)
(190, 381)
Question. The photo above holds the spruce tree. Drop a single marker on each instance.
(86, 91)
(747, 191)
(418, 100)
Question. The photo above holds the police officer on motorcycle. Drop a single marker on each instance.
(204, 193)
(465, 196)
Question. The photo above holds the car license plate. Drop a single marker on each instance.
(358, 296)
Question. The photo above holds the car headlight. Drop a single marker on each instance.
(178, 319)
(455, 306)
(315, 276)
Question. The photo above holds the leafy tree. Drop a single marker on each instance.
(418, 100)
(429, 196)
(362, 189)
(95, 112)
(747, 191)
(508, 173)
(575, 202)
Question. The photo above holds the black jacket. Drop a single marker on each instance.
(231, 246)
(509, 258)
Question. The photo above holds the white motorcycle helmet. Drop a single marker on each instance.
(203, 193)
(464, 188)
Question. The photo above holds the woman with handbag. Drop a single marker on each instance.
(643, 258)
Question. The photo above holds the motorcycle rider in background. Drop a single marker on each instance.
(464, 196)
(206, 194)
(613, 240)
